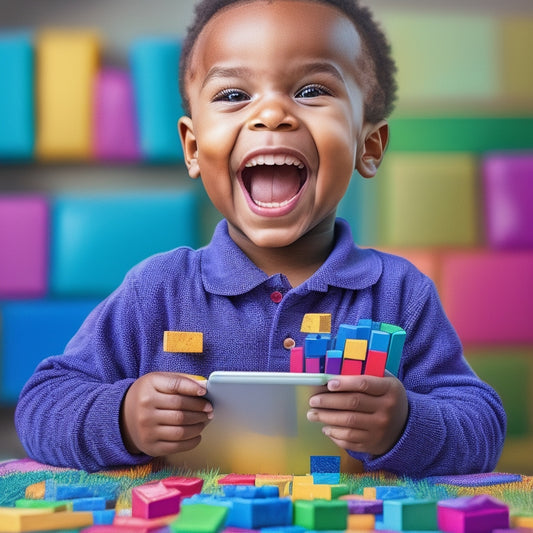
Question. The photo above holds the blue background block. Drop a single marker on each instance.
(17, 108)
(155, 65)
(325, 464)
(379, 341)
(96, 239)
(317, 345)
(31, 331)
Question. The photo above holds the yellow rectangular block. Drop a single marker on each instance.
(316, 323)
(302, 480)
(355, 349)
(311, 492)
(183, 341)
(364, 522)
(522, 521)
(282, 482)
(19, 519)
(369, 493)
(67, 63)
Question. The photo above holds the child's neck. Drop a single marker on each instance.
(298, 261)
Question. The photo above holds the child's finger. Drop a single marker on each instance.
(172, 417)
(375, 386)
(176, 383)
(179, 402)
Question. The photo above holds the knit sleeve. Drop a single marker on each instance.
(456, 422)
(68, 412)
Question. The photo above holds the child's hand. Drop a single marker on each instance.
(164, 413)
(362, 413)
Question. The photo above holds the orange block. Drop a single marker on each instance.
(183, 341)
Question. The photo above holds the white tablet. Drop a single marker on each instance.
(260, 425)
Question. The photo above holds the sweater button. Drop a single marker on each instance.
(276, 297)
(289, 343)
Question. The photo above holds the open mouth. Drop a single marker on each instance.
(273, 181)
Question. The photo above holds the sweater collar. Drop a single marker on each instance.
(227, 271)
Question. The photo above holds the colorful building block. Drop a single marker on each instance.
(237, 479)
(508, 189)
(281, 482)
(143, 525)
(51, 323)
(365, 506)
(248, 491)
(499, 315)
(316, 345)
(313, 491)
(183, 341)
(297, 359)
(351, 367)
(396, 344)
(316, 323)
(14, 519)
(115, 135)
(186, 485)
(200, 518)
(375, 363)
(24, 228)
(257, 513)
(472, 513)
(410, 514)
(154, 500)
(154, 62)
(361, 522)
(324, 463)
(333, 362)
(92, 246)
(347, 331)
(314, 365)
(17, 127)
(67, 63)
(321, 515)
(355, 349)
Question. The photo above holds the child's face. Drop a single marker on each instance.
(276, 125)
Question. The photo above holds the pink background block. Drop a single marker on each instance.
(508, 185)
(488, 296)
(115, 121)
(154, 500)
(23, 246)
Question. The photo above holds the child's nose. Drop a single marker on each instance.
(272, 114)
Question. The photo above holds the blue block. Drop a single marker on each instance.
(250, 491)
(325, 464)
(104, 517)
(379, 341)
(97, 238)
(391, 492)
(316, 345)
(323, 478)
(17, 108)
(31, 331)
(154, 65)
(260, 512)
(96, 503)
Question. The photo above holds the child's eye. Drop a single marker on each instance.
(231, 95)
(313, 91)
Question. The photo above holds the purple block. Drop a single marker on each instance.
(23, 246)
(333, 362)
(312, 365)
(472, 514)
(115, 123)
(508, 184)
(365, 506)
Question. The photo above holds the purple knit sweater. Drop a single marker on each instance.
(68, 412)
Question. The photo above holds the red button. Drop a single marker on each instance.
(276, 297)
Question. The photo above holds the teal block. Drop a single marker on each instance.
(17, 108)
(410, 514)
(397, 342)
(96, 239)
(32, 330)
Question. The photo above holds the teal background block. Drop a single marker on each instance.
(410, 515)
(97, 238)
(17, 108)
(30, 331)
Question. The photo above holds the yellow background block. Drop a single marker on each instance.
(316, 323)
(361, 521)
(282, 482)
(355, 349)
(20, 519)
(67, 63)
(369, 493)
(183, 341)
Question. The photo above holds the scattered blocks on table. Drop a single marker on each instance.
(321, 515)
(183, 341)
(316, 323)
(472, 513)
(154, 500)
(410, 514)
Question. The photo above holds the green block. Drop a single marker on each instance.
(320, 515)
(430, 200)
(511, 375)
(44, 504)
(460, 134)
(410, 515)
(200, 518)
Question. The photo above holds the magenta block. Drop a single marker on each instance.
(472, 514)
(154, 500)
(23, 246)
(187, 486)
(508, 185)
(488, 296)
(297, 359)
(115, 123)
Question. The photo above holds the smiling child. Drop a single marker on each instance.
(284, 100)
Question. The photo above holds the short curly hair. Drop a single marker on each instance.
(377, 54)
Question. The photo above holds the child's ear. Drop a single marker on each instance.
(190, 148)
(372, 149)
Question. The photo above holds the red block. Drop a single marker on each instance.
(375, 363)
(351, 367)
(237, 479)
(154, 500)
(488, 296)
(297, 359)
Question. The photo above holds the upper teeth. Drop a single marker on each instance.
(272, 159)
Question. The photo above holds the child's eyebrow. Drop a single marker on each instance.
(226, 72)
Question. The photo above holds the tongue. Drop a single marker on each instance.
(274, 183)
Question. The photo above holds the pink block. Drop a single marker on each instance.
(154, 500)
(23, 246)
(312, 365)
(508, 186)
(488, 296)
(375, 363)
(297, 359)
(115, 123)
(237, 479)
(187, 486)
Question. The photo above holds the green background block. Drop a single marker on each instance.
(510, 373)
(430, 200)
(200, 518)
(321, 514)
(444, 57)
(476, 134)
